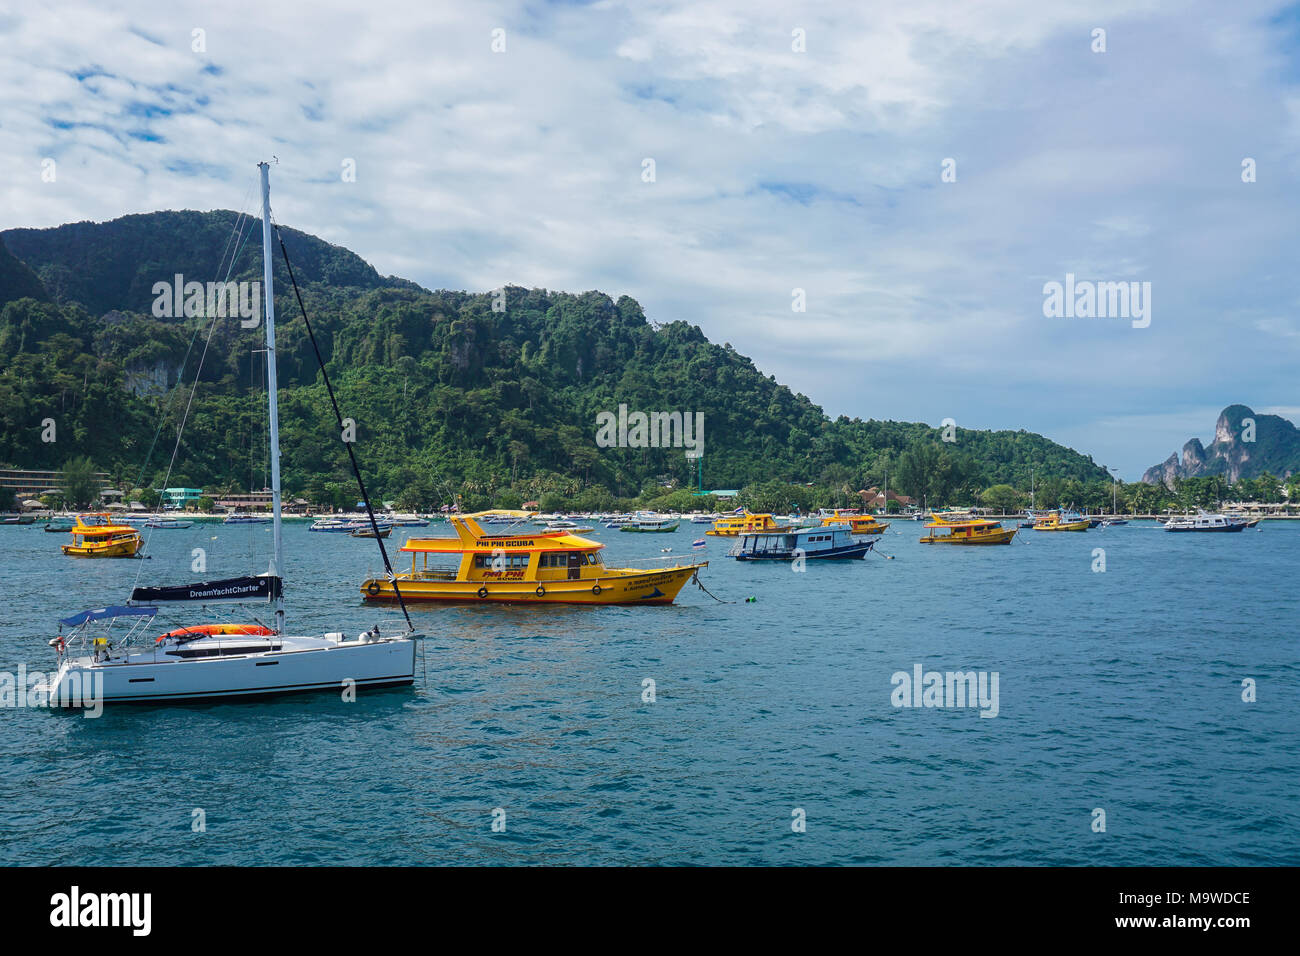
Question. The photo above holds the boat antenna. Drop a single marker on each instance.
(338, 415)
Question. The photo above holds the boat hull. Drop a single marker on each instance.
(267, 674)
(639, 587)
(849, 552)
(124, 548)
(1004, 536)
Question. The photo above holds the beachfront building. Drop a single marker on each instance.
(723, 493)
(19, 484)
(252, 501)
(178, 499)
(874, 500)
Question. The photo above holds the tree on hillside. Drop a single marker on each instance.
(1001, 498)
(80, 486)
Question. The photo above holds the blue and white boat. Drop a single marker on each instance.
(829, 541)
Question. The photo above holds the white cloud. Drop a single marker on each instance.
(775, 170)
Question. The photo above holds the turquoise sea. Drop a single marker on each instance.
(1118, 690)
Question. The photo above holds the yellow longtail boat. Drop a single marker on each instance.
(858, 523)
(1055, 521)
(729, 526)
(95, 536)
(967, 530)
(523, 565)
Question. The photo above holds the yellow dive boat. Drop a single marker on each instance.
(966, 530)
(858, 523)
(95, 536)
(729, 526)
(1053, 521)
(523, 565)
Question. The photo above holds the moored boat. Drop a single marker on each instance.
(169, 523)
(246, 519)
(1204, 521)
(96, 536)
(967, 530)
(743, 522)
(569, 527)
(1060, 521)
(523, 566)
(405, 520)
(1250, 521)
(825, 542)
(858, 523)
(650, 525)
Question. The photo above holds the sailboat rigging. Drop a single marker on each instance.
(205, 661)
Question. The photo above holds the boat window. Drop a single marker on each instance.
(222, 651)
(494, 562)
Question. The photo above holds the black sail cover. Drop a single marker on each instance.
(261, 587)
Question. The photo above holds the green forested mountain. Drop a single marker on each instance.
(449, 395)
(17, 281)
(1246, 445)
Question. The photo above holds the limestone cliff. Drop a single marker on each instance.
(1245, 446)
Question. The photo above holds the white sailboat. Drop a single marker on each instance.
(222, 660)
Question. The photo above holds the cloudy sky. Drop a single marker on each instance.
(793, 146)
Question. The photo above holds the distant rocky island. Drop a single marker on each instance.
(1245, 446)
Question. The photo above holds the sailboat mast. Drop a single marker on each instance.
(277, 562)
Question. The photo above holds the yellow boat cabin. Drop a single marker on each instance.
(966, 530)
(521, 564)
(95, 536)
(858, 523)
(743, 522)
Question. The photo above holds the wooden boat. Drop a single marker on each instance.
(95, 536)
(743, 522)
(967, 531)
(384, 532)
(523, 565)
(1056, 521)
(858, 523)
(825, 542)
